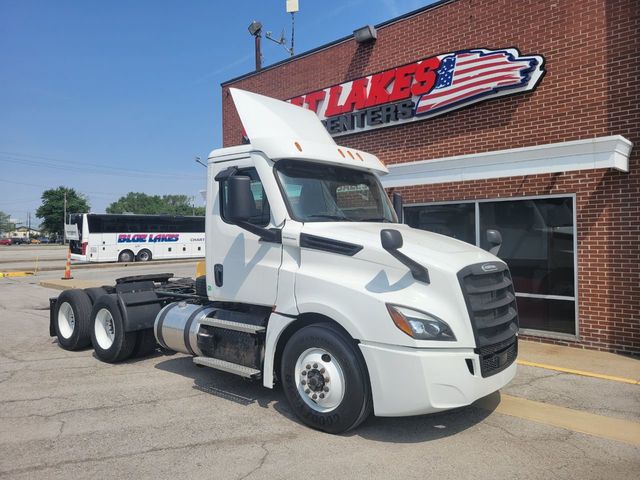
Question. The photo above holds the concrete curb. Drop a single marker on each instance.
(15, 274)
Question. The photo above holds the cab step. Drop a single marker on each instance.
(229, 325)
(225, 366)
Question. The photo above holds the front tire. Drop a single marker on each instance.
(72, 319)
(126, 256)
(110, 342)
(325, 379)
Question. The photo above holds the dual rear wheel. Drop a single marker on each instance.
(93, 317)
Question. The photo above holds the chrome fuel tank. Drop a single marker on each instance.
(176, 326)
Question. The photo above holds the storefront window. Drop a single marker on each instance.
(537, 243)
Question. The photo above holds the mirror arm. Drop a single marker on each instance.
(418, 272)
(272, 235)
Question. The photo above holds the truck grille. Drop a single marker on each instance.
(497, 357)
(491, 303)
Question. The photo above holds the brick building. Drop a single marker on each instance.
(549, 161)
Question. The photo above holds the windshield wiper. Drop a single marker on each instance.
(331, 217)
(376, 219)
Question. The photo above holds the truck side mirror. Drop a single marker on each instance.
(494, 239)
(391, 239)
(239, 198)
(397, 206)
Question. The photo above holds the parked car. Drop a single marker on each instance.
(19, 241)
(44, 240)
(35, 241)
(5, 241)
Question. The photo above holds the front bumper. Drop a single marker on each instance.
(409, 381)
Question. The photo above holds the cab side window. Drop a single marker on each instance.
(261, 215)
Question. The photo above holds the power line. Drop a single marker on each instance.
(35, 161)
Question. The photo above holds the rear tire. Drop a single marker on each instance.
(95, 293)
(72, 319)
(336, 376)
(126, 256)
(110, 342)
(144, 255)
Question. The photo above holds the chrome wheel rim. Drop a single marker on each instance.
(104, 329)
(66, 320)
(320, 379)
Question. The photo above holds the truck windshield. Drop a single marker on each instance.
(327, 193)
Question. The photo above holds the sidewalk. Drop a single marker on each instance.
(581, 362)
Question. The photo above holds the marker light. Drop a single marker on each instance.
(420, 325)
(298, 146)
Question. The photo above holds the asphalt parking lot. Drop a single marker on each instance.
(67, 415)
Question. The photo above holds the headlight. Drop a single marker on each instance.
(420, 325)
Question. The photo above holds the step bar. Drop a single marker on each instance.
(229, 325)
(225, 366)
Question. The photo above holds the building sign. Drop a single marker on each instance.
(423, 89)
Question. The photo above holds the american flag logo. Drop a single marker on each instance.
(470, 75)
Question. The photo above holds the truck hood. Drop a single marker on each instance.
(426, 248)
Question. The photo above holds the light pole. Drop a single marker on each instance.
(255, 29)
(64, 219)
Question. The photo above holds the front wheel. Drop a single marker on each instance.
(126, 256)
(325, 379)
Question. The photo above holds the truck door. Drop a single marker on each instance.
(245, 268)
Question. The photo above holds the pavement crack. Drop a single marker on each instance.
(244, 440)
(97, 408)
(260, 463)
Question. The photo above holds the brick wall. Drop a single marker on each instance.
(591, 88)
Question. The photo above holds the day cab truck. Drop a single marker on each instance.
(313, 284)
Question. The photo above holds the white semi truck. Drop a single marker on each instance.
(312, 283)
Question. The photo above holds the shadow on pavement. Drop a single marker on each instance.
(423, 428)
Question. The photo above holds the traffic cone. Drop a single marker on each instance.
(67, 267)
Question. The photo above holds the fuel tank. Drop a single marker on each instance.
(176, 326)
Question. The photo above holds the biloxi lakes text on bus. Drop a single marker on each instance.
(423, 89)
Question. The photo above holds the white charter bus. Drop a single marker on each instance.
(128, 238)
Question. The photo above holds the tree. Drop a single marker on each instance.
(5, 223)
(141, 203)
(52, 209)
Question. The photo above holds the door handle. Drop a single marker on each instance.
(217, 274)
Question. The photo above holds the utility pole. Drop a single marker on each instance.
(64, 219)
(29, 226)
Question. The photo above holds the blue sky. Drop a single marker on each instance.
(114, 96)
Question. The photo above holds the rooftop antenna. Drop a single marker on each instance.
(292, 8)
(197, 159)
